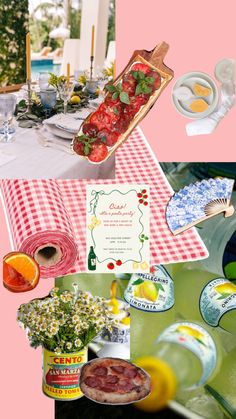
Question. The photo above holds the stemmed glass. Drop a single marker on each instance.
(65, 91)
(7, 108)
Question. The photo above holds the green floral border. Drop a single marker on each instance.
(93, 205)
(13, 28)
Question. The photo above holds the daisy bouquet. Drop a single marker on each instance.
(64, 322)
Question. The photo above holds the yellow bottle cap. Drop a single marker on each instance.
(163, 383)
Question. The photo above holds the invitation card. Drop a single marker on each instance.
(118, 228)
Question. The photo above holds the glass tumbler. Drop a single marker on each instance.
(7, 108)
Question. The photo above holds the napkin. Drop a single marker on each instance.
(208, 125)
(68, 122)
(224, 72)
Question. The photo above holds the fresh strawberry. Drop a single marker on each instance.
(90, 129)
(101, 120)
(135, 104)
(142, 99)
(141, 67)
(129, 84)
(122, 124)
(157, 78)
(108, 137)
(132, 109)
(78, 148)
(114, 111)
(98, 152)
(110, 101)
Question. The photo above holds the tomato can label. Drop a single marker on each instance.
(61, 374)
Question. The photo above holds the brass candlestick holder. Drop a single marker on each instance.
(29, 91)
(91, 66)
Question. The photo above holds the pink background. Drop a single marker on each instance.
(21, 365)
(199, 34)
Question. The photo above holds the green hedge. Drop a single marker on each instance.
(14, 18)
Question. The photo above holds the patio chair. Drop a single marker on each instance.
(43, 53)
(71, 52)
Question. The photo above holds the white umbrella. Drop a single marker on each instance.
(60, 33)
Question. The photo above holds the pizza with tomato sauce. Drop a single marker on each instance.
(114, 381)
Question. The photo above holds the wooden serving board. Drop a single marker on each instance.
(154, 59)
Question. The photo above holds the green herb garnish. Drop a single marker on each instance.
(117, 92)
(143, 82)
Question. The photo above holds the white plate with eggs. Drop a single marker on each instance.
(195, 95)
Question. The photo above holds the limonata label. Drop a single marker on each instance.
(217, 298)
(151, 291)
(197, 340)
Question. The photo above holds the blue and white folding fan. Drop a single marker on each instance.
(198, 202)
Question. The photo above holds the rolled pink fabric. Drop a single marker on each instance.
(40, 225)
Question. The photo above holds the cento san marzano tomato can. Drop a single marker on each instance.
(61, 374)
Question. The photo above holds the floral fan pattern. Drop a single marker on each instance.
(197, 202)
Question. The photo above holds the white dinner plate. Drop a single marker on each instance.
(188, 80)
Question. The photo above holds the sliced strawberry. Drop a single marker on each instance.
(99, 152)
(142, 99)
(129, 84)
(113, 110)
(135, 104)
(110, 101)
(132, 109)
(141, 67)
(122, 124)
(78, 147)
(108, 137)
(90, 129)
(101, 120)
(157, 78)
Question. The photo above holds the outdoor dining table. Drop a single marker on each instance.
(30, 159)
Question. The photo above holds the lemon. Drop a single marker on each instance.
(75, 100)
(163, 384)
(191, 332)
(126, 321)
(137, 290)
(225, 288)
(149, 291)
(135, 265)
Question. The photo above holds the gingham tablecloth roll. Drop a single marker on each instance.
(42, 213)
(40, 224)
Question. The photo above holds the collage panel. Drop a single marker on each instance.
(118, 264)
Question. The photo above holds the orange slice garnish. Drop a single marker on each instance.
(20, 272)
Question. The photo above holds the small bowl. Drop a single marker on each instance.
(188, 80)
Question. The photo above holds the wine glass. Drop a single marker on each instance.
(7, 108)
(65, 91)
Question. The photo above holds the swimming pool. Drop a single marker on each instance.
(43, 65)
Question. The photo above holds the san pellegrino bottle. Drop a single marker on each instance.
(186, 355)
(92, 259)
(223, 385)
(219, 236)
(201, 295)
(151, 299)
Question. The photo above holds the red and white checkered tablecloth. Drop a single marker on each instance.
(43, 212)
